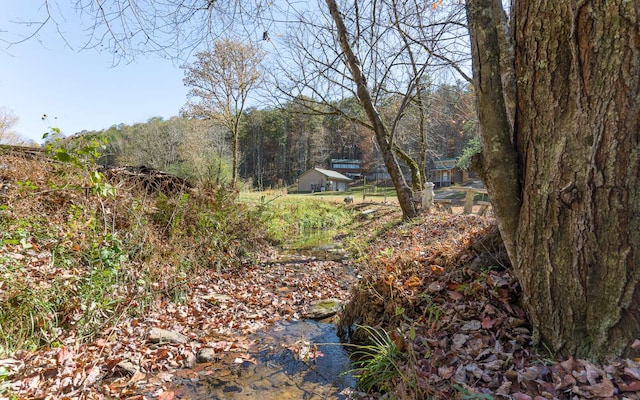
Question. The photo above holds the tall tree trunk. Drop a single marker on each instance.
(416, 176)
(235, 149)
(577, 125)
(405, 195)
(578, 119)
(498, 165)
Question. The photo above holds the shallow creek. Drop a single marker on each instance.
(280, 369)
(292, 360)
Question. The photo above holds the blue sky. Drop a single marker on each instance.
(77, 89)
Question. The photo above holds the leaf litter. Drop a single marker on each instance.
(221, 312)
(460, 326)
(140, 356)
(444, 286)
(439, 285)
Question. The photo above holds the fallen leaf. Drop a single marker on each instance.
(64, 355)
(137, 377)
(445, 372)
(162, 353)
(487, 322)
(168, 395)
(602, 389)
(398, 340)
(630, 387)
(413, 282)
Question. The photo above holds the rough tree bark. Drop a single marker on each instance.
(405, 195)
(417, 183)
(565, 179)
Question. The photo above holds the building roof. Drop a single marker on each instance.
(444, 164)
(445, 160)
(443, 167)
(332, 174)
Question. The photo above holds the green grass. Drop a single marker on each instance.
(28, 314)
(377, 362)
(372, 193)
(291, 218)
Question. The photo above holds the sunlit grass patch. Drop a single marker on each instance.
(290, 219)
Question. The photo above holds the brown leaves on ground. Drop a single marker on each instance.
(221, 311)
(465, 336)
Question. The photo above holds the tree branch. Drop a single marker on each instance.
(499, 154)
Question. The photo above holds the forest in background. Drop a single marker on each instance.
(279, 144)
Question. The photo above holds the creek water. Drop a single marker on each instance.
(301, 359)
(281, 368)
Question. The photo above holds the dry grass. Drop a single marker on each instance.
(75, 259)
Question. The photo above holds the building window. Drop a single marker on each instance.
(346, 166)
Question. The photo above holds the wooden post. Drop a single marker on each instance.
(468, 202)
(364, 187)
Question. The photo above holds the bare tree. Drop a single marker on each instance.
(385, 51)
(173, 29)
(220, 82)
(8, 121)
(204, 150)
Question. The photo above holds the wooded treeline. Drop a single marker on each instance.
(279, 144)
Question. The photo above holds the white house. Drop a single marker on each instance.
(319, 180)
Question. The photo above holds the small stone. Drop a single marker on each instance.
(158, 335)
(324, 308)
(127, 366)
(232, 389)
(206, 354)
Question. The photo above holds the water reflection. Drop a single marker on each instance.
(283, 368)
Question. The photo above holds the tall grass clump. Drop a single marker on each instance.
(377, 361)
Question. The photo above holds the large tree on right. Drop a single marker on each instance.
(558, 98)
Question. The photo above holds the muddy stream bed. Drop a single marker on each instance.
(296, 359)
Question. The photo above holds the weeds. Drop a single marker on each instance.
(91, 254)
(5, 375)
(377, 362)
(28, 316)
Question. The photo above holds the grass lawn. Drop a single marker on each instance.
(376, 194)
(371, 194)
